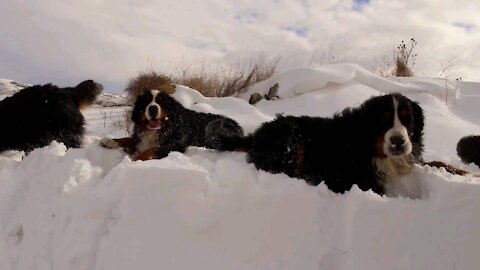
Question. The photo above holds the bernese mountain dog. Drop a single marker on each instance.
(369, 145)
(40, 114)
(468, 149)
(163, 125)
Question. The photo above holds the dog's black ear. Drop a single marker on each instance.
(137, 112)
(418, 124)
(86, 92)
(86, 84)
(168, 103)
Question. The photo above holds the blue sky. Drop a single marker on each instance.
(359, 4)
(362, 2)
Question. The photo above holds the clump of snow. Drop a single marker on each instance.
(9, 87)
(94, 208)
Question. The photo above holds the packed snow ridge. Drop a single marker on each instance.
(94, 208)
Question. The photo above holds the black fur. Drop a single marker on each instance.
(39, 114)
(181, 127)
(468, 149)
(338, 151)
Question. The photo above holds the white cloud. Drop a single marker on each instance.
(68, 41)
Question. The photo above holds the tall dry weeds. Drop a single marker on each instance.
(405, 59)
(219, 82)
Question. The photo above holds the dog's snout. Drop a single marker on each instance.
(397, 140)
(153, 112)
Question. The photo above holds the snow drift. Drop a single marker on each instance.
(94, 208)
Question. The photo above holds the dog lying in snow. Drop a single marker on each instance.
(163, 125)
(40, 114)
(370, 146)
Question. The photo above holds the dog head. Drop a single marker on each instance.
(148, 111)
(468, 149)
(88, 91)
(397, 123)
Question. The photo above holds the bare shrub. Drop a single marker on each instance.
(400, 64)
(383, 67)
(447, 71)
(405, 59)
(104, 117)
(127, 119)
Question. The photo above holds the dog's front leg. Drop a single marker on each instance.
(160, 152)
(151, 153)
(448, 168)
(126, 143)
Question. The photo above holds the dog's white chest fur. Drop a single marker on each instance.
(393, 168)
(149, 140)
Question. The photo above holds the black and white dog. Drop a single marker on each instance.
(370, 145)
(39, 114)
(162, 125)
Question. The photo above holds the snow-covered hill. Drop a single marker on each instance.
(94, 208)
(9, 87)
(111, 100)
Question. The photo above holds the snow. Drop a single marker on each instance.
(9, 87)
(111, 100)
(94, 208)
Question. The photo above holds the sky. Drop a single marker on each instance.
(65, 42)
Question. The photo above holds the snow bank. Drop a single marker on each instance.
(337, 76)
(9, 87)
(94, 208)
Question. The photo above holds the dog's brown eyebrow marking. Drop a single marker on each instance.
(403, 112)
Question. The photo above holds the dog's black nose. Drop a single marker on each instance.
(153, 112)
(397, 141)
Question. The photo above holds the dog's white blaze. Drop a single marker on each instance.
(394, 166)
(149, 140)
(397, 130)
(153, 103)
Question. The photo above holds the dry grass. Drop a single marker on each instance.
(405, 59)
(218, 82)
(400, 64)
(401, 69)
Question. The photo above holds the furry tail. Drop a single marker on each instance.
(86, 93)
(226, 135)
(237, 143)
(468, 149)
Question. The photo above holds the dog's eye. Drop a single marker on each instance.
(403, 113)
(387, 116)
(404, 116)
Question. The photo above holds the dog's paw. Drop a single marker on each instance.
(109, 143)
